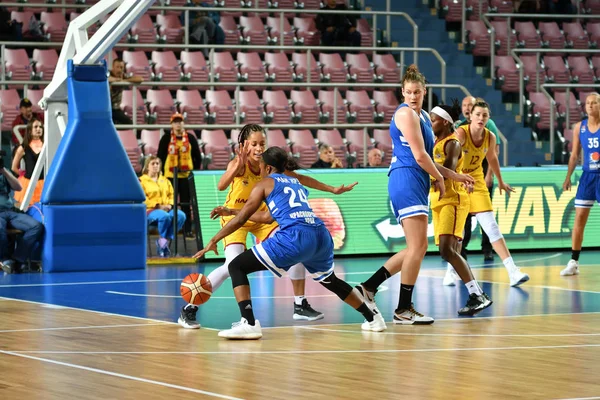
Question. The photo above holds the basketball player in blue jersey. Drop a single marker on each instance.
(586, 136)
(408, 187)
(302, 238)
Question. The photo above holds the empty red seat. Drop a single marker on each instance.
(216, 148)
(540, 109)
(137, 63)
(507, 74)
(251, 109)
(478, 38)
(191, 106)
(170, 27)
(279, 68)
(194, 64)
(253, 30)
(333, 68)
(528, 35)
(556, 69)
(531, 72)
(593, 29)
(45, 62)
(277, 107)
(307, 31)
(360, 107)
(18, 67)
(250, 64)
(502, 36)
(303, 146)
(220, 106)
(387, 67)
(166, 67)
(302, 68)
(581, 70)
(366, 33)
(576, 37)
(143, 30)
(134, 153)
(386, 103)
(552, 35)
(161, 105)
(55, 25)
(275, 138)
(360, 69)
(231, 29)
(305, 106)
(575, 114)
(452, 10)
(357, 143)
(150, 140)
(35, 95)
(383, 142)
(224, 68)
(127, 106)
(328, 102)
(9, 106)
(273, 26)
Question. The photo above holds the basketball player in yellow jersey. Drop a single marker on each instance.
(242, 174)
(479, 143)
(450, 211)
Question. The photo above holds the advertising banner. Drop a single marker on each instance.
(538, 215)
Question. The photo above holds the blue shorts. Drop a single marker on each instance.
(588, 190)
(312, 247)
(409, 192)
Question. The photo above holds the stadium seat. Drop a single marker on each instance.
(127, 105)
(170, 27)
(277, 106)
(35, 95)
(231, 29)
(478, 38)
(300, 61)
(274, 29)
(17, 64)
(143, 30)
(581, 70)
(216, 148)
(356, 145)
(502, 36)
(220, 106)
(333, 138)
(275, 138)
(250, 64)
(303, 146)
(279, 68)
(326, 97)
(383, 142)
(134, 153)
(528, 35)
(366, 33)
(191, 106)
(552, 35)
(45, 62)
(386, 103)
(360, 107)
(507, 74)
(305, 106)
(137, 63)
(55, 25)
(224, 68)
(253, 30)
(360, 69)
(387, 67)
(540, 108)
(194, 64)
(575, 114)
(161, 105)
(307, 31)
(150, 140)
(250, 107)
(576, 37)
(333, 68)
(556, 69)
(9, 106)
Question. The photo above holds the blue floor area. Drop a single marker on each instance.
(154, 293)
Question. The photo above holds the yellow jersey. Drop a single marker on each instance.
(473, 155)
(241, 187)
(455, 191)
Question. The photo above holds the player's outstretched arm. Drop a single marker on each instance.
(261, 217)
(317, 185)
(255, 200)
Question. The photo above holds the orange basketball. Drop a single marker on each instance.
(196, 289)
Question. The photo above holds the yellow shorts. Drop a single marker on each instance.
(480, 198)
(449, 220)
(260, 231)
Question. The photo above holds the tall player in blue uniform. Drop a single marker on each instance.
(408, 187)
(302, 238)
(586, 136)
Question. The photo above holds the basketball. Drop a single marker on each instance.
(196, 289)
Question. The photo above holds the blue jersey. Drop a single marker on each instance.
(288, 203)
(590, 142)
(402, 154)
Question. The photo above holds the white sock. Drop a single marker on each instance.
(473, 287)
(509, 264)
(298, 300)
(449, 266)
(190, 305)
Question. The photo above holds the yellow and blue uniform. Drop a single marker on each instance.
(588, 190)
(473, 158)
(239, 192)
(451, 211)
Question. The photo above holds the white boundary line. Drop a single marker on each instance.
(132, 378)
(391, 351)
(315, 328)
(251, 277)
(79, 327)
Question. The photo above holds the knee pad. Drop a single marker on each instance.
(236, 272)
(297, 272)
(337, 286)
(489, 225)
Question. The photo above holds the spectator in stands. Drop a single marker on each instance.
(561, 7)
(529, 6)
(29, 151)
(10, 30)
(327, 158)
(117, 74)
(337, 28)
(375, 158)
(486, 246)
(26, 109)
(12, 218)
(182, 151)
(159, 204)
(203, 26)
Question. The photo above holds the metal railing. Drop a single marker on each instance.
(554, 109)
(509, 30)
(212, 48)
(256, 9)
(537, 52)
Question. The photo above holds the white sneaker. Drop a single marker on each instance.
(411, 317)
(517, 277)
(450, 278)
(571, 269)
(377, 325)
(369, 298)
(242, 330)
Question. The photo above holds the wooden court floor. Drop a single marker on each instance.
(113, 336)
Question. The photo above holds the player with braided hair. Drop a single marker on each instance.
(242, 174)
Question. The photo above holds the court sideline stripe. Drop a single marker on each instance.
(251, 277)
(123, 376)
(432, 350)
(78, 327)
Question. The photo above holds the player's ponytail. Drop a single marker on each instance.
(278, 158)
(412, 74)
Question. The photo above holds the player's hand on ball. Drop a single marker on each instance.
(220, 212)
(344, 188)
(211, 246)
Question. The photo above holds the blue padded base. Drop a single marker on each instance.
(94, 237)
